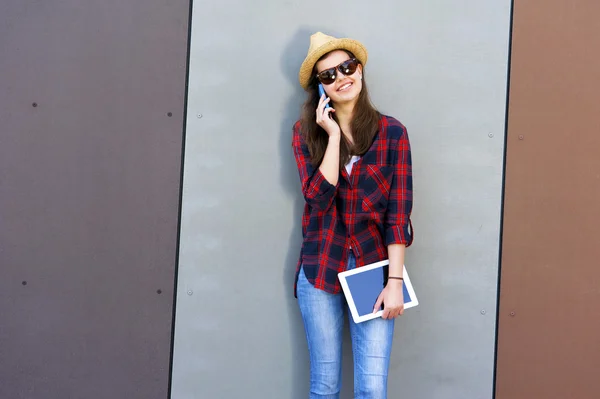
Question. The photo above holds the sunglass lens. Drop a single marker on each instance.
(349, 67)
(327, 77)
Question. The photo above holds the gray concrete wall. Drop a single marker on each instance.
(440, 67)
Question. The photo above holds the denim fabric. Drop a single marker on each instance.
(323, 316)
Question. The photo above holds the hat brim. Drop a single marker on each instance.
(355, 47)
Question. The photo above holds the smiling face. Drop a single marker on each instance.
(345, 89)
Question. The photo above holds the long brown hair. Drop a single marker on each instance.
(364, 124)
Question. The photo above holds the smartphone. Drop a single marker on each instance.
(321, 92)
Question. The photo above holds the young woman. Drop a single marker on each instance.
(356, 175)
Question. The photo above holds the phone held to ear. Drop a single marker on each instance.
(321, 92)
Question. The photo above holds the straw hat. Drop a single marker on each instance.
(321, 44)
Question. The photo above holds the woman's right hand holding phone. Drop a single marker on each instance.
(324, 118)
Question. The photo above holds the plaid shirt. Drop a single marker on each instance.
(365, 212)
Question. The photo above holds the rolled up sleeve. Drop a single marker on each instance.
(397, 223)
(317, 191)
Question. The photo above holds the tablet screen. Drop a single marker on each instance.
(366, 287)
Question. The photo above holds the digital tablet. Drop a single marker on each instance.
(363, 285)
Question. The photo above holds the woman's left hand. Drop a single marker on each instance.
(392, 298)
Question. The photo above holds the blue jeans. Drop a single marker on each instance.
(323, 316)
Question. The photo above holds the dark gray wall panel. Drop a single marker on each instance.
(89, 191)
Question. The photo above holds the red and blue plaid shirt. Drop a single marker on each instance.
(364, 213)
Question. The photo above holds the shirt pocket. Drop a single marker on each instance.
(375, 187)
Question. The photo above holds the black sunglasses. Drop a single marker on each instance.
(347, 68)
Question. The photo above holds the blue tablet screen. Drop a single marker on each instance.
(365, 288)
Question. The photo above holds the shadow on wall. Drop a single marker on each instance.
(291, 59)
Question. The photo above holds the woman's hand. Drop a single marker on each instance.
(324, 118)
(392, 297)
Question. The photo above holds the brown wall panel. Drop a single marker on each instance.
(549, 321)
(89, 193)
